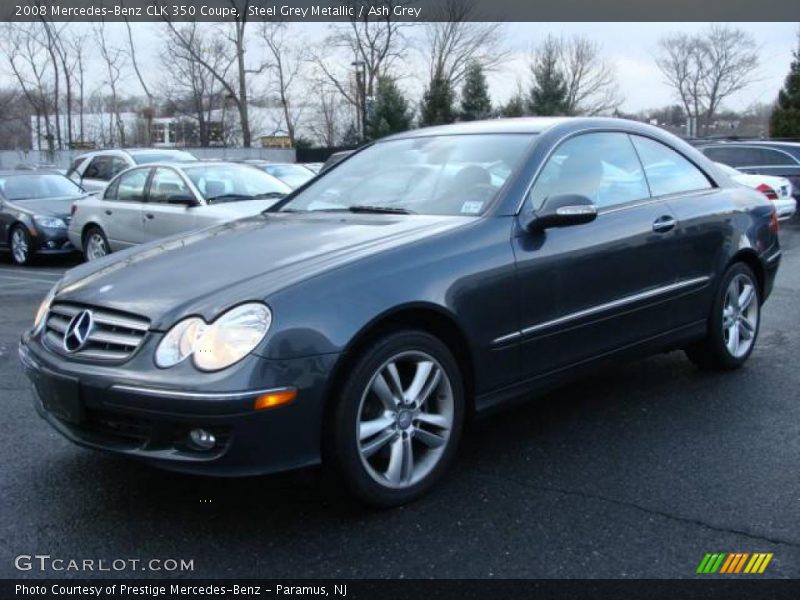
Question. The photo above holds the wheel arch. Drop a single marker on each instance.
(427, 317)
(749, 257)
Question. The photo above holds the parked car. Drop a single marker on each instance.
(778, 159)
(94, 170)
(41, 167)
(335, 158)
(291, 174)
(34, 213)
(777, 189)
(154, 201)
(362, 319)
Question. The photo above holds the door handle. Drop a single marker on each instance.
(108, 212)
(664, 224)
(150, 215)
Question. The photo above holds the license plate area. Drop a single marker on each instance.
(60, 396)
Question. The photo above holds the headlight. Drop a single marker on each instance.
(41, 313)
(179, 342)
(213, 347)
(50, 222)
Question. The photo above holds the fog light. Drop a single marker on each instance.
(202, 439)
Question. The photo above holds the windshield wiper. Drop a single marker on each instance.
(379, 209)
(268, 195)
(228, 198)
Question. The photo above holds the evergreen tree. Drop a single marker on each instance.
(548, 94)
(515, 107)
(390, 113)
(785, 119)
(351, 139)
(475, 101)
(437, 103)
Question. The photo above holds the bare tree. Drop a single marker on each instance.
(455, 39)
(286, 62)
(376, 43)
(706, 68)
(29, 62)
(681, 60)
(592, 86)
(236, 90)
(732, 56)
(192, 88)
(75, 47)
(330, 113)
(114, 61)
(149, 110)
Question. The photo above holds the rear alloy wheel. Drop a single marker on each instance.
(733, 324)
(20, 245)
(399, 418)
(95, 244)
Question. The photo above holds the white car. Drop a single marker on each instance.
(93, 170)
(777, 189)
(151, 202)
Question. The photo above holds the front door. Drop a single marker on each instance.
(122, 209)
(589, 289)
(160, 218)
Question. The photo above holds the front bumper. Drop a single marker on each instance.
(105, 408)
(785, 208)
(51, 241)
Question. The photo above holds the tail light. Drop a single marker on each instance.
(774, 224)
(73, 210)
(767, 191)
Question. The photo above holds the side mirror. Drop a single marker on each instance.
(562, 210)
(182, 200)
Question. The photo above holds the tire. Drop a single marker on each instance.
(369, 436)
(20, 243)
(733, 324)
(95, 244)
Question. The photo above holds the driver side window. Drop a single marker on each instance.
(603, 167)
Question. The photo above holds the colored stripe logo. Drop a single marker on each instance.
(731, 563)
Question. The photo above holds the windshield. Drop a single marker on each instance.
(228, 182)
(292, 175)
(38, 186)
(166, 156)
(444, 175)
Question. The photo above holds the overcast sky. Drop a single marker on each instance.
(629, 46)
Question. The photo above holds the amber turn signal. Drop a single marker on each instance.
(275, 399)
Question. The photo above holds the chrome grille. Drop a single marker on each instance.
(115, 336)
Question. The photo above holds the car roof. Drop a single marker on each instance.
(131, 151)
(532, 125)
(29, 172)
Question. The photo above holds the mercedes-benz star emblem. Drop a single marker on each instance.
(78, 331)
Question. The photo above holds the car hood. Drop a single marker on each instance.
(206, 272)
(46, 206)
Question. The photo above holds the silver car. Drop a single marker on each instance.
(149, 202)
(93, 170)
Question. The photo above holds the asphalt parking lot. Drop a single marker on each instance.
(635, 472)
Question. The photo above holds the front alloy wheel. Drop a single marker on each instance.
(397, 419)
(404, 419)
(20, 245)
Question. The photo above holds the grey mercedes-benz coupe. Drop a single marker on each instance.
(425, 279)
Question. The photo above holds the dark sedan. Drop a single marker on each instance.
(759, 157)
(34, 213)
(430, 277)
